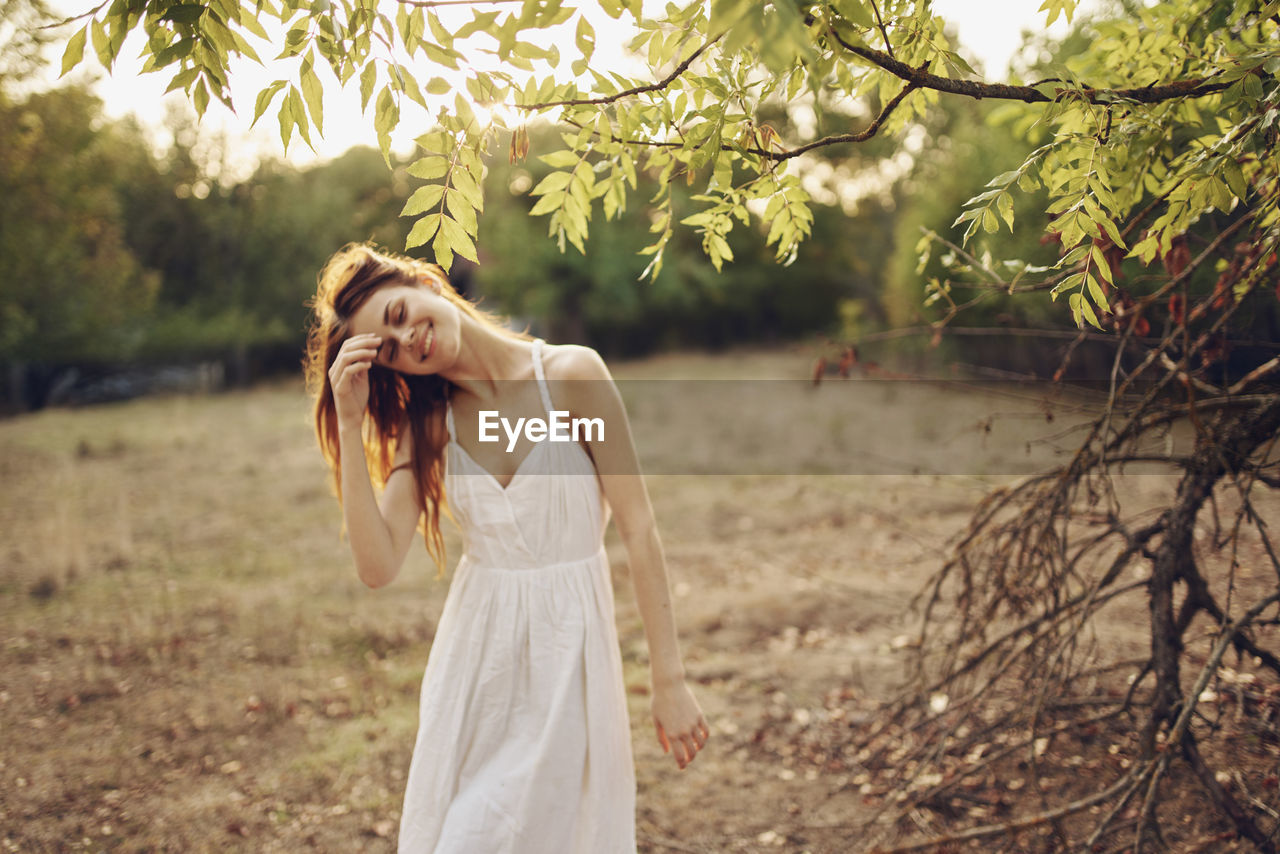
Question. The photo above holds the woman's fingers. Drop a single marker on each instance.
(684, 746)
(690, 750)
(355, 371)
(350, 369)
(349, 374)
(681, 726)
(362, 347)
(360, 343)
(358, 351)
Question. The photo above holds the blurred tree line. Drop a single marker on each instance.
(117, 255)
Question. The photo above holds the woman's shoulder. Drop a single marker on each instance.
(573, 362)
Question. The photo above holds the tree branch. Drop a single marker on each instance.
(95, 10)
(862, 136)
(888, 45)
(627, 93)
(1255, 375)
(777, 156)
(1180, 732)
(1019, 824)
(1194, 88)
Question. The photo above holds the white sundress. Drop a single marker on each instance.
(523, 743)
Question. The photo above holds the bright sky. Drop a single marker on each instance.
(990, 30)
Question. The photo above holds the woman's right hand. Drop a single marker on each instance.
(349, 378)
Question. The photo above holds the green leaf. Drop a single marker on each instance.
(480, 22)
(990, 223)
(368, 79)
(1076, 255)
(182, 79)
(423, 199)
(286, 123)
(1220, 194)
(585, 38)
(1004, 179)
(250, 23)
(562, 159)
(1235, 177)
(443, 37)
(1086, 308)
(576, 212)
(462, 111)
(436, 142)
(856, 12)
(75, 51)
(554, 181)
(1100, 262)
(410, 86)
(615, 199)
(430, 167)
(1113, 232)
(313, 93)
(101, 43)
(462, 212)
(1253, 86)
(442, 250)
(1004, 204)
(298, 114)
(423, 230)
(264, 100)
(1056, 7)
(465, 184)
(550, 202)
(217, 34)
(386, 116)
(185, 13)
(1076, 300)
(720, 249)
(470, 160)
(244, 47)
(441, 56)
(200, 97)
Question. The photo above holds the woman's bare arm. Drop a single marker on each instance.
(379, 535)
(591, 393)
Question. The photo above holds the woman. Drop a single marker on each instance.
(523, 741)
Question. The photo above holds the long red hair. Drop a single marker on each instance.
(399, 404)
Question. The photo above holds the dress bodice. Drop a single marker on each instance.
(526, 524)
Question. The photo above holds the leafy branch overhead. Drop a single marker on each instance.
(1169, 116)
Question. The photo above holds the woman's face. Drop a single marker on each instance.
(419, 328)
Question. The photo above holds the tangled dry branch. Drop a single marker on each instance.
(1014, 678)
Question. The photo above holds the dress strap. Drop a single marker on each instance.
(542, 377)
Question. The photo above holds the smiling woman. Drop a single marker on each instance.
(523, 739)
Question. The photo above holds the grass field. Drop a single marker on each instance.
(190, 663)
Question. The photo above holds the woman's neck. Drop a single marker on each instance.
(486, 356)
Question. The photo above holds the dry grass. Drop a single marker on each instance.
(190, 664)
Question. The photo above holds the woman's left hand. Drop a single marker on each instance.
(682, 730)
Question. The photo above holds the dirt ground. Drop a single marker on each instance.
(189, 663)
